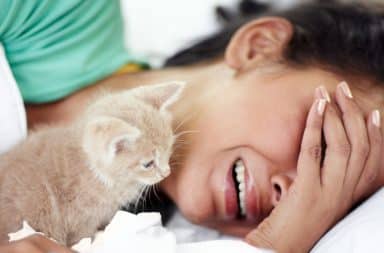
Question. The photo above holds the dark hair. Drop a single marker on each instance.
(345, 37)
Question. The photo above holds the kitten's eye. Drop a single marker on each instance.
(148, 164)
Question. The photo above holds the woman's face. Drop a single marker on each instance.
(257, 119)
(241, 159)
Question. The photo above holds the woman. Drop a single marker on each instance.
(254, 108)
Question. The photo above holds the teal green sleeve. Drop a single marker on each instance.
(55, 47)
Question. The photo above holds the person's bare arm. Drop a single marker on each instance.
(69, 108)
(34, 244)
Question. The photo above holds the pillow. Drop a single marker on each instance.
(361, 231)
(13, 127)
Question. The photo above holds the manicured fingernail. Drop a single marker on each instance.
(321, 106)
(324, 94)
(376, 118)
(345, 89)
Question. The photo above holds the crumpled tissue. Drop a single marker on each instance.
(143, 233)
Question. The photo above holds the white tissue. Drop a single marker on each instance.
(135, 233)
(143, 233)
(25, 231)
(361, 231)
(126, 232)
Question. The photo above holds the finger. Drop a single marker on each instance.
(24, 245)
(372, 165)
(47, 245)
(357, 133)
(337, 152)
(308, 167)
(259, 238)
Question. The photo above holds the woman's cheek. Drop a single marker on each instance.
(193, 195)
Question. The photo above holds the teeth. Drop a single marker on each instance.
(239, 167)
(240, 178)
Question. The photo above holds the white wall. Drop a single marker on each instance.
(157, 29)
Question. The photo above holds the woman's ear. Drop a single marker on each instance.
(258, 42)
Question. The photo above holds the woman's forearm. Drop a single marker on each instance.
(67, 109)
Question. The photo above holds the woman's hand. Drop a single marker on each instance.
(34, 244)
(322, 194)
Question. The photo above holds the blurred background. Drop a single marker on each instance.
(158, 29)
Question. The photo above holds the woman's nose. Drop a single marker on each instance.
(280, 185)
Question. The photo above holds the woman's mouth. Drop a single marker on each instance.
(238, 174)
(240, 198)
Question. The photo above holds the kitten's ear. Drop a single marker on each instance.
(161, 95)
(105, 137)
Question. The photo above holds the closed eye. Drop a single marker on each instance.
(149, 164)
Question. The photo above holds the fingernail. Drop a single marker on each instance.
(376, 118)
(324, 94)
(321, 106)
(345, 89)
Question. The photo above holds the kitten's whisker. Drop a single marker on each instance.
(185, 120)
(137, 202)
(146, 194)
(177, 156)
(178, 153)
(183, 141)
(178, 142)
(175, 164)
(155, 188)
(153, 191)
(186, 132)
(178, 135)
(180, 146)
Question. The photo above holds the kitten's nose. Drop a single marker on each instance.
(165, 171)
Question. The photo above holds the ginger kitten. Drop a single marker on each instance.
(68, 182)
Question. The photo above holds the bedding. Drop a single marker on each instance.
(13, 125)
(361, 231)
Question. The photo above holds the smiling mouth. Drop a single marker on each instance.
(238, 176)
(241, 198)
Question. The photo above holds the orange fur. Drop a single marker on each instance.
(67, 182)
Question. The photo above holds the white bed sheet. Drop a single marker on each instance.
(361, 231)
(13, 126)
